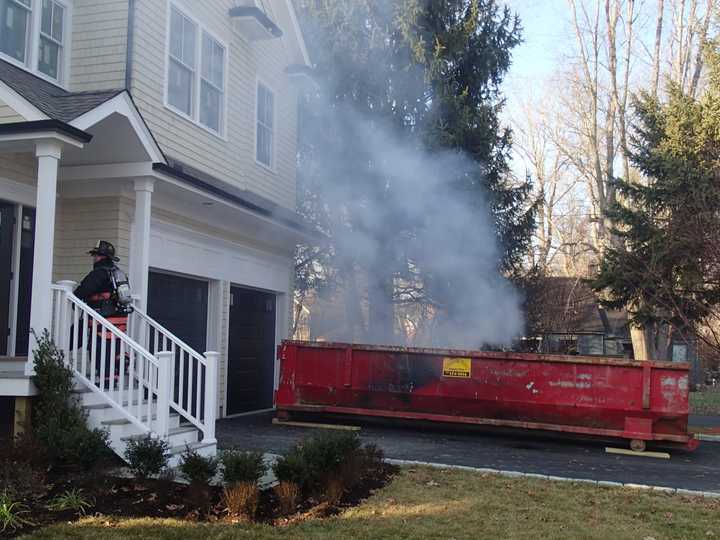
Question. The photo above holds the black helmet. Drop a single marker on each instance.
(104, 249)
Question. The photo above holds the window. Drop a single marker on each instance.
(14, 28)
(679, 352)
(265, 120)
(212, 83)
(182, 62)
(197, 93)
(51, 38)
(41, 23)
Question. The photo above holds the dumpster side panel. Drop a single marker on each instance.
(611, 397)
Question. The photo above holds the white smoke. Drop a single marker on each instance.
(453, 237)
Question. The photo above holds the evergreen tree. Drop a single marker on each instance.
(665, 267)
(428, 72)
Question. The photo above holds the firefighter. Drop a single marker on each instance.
(96, 289)
(99, 291)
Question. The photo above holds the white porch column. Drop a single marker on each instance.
(140, 248)
(48, 154)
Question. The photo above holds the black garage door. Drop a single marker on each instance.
(251, 353)
(180, 304)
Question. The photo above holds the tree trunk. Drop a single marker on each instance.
(702, 40)
(381, 319)
(658, 41)
(353, 327)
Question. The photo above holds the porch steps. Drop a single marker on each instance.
(120, 430)
(10, 364)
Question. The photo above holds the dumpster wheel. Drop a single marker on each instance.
(637, 445)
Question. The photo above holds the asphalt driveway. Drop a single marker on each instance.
(506, 450)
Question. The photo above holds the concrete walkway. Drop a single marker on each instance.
(505, 450)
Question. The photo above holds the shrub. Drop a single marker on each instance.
(59, 423)
(334, 489)
(72, 499)
(247, 467)
(147, 456)
(241, 499)
(311, 464)
(373, 458)
(287, 493)
(292, 468)
(12, 514)
(198, 469)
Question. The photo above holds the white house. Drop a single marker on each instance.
(167, 127)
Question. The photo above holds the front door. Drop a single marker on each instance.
(27, 244)
(7, 226)
(251, 351)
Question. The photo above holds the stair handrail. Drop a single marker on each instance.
(77, 359)
(203, 419)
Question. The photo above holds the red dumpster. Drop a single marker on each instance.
(609, 397)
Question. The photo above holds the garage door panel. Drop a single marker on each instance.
(180, 304)
(251, 354)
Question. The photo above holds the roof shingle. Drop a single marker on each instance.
(55, 102)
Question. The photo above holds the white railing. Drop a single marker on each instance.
(144, 364)
(193, 393)
(109, 362)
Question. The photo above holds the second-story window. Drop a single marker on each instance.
(51, 38)
(33, 35)
(265, 122)
(212, 83)
(196, 72)
(181, 73)
(15, 28)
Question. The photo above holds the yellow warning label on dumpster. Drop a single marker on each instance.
(457, 367)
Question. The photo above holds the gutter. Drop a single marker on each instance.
(130, 45)
(42, 126)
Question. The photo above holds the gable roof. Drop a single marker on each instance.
(52, 100)
(569, 305)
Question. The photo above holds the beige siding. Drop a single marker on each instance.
(215, 232)
(80, 223)
(99, 44)
(20, 168)
(8, 115)
(231, 159)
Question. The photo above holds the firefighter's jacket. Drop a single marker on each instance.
(96, 288)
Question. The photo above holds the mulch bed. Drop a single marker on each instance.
(127, 498)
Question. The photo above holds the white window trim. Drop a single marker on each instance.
(194, 118)
(273, 151)
(33, 43)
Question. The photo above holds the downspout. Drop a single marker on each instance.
(130, 45)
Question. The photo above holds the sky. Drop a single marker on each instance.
(545, 30)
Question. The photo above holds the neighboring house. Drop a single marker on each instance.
(167, 127)
(567, 319)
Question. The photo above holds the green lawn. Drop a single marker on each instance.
(431, 503)
(707, 402)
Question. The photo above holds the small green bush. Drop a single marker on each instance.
(59, 423)
(292, 468)
(72, 499)
(246, 467)
(310, 465)
(12, 514)
(147, 456)
(198, 469)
